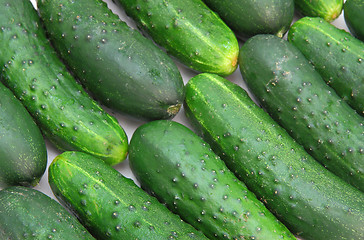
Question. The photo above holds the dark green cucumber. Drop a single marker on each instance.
(310, 200)
(26, 213)
(295, 96)
(110, 205)
(120, 67)
(61, 108)
(354, 18)
(248, 17)
(329, 10)
(180, 169)
(23, 153)
(189, 31)
(336, 55)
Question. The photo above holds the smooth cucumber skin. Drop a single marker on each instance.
(26, 213)
(311, 201)
(295, 95)
(354, 18)
(180, 169)
(329, 10)
(110, 205)
(248, 18)
(64, 112)
(121, 68)
(23, 153)
(189, 31)
(336, 55)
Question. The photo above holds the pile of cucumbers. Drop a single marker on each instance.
(234, 119)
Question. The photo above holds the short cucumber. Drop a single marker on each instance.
(62, 109)
(296, 96)
(329, 10)
(23, 153)
(26, 213)
(336, 55)
(310, 200)
(121, 68)
(354, 18)
(110, 205)
(180, 169)
(189, 31)
(248, 17)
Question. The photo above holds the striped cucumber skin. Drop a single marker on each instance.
(189, 31)
(248, 18)
(336, 55)
(121, 68)
(23, 153)
(329, 10)
(310, 200)
(62, 109)
(26, 213)
(180, 169)
(110, 205)
(294, 94)
(354, 18)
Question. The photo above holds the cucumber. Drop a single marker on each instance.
(294, 94)
(110, 205)
(353, 16)
(26, 213)
(336, 55)
(329, 10)
(122, 69)
(179, 168)
(310, 200)
(64, 112)
(248, 18)
(187, 30)
(23, 153)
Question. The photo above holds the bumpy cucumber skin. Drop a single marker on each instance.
(180, 169)
(23, 153)
(110, 205)
(62, 109)
(329, 10)
(294, 94)
(26, 213)
(189, 31)
(310, 200)
(336, 55)
(354, 18)
(248, 18)
(121, 68)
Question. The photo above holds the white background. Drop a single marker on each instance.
(130, 124)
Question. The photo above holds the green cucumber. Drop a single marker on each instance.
(248, 17)
(180, 169)
(310, 200)
(329, 10)
(110, 205)
(336, 55)
(121, 68)
(26, 213)
(64, 112)
(189, 31)
(23, 153)
(296, 96)
(354, 18)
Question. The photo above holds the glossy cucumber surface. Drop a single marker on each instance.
(110, 205)
(296, 96)
(121, 68)
(310, 200)
(329, 10)
(180, 169)
(189, 31)
(64, 112)
(354, 18)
